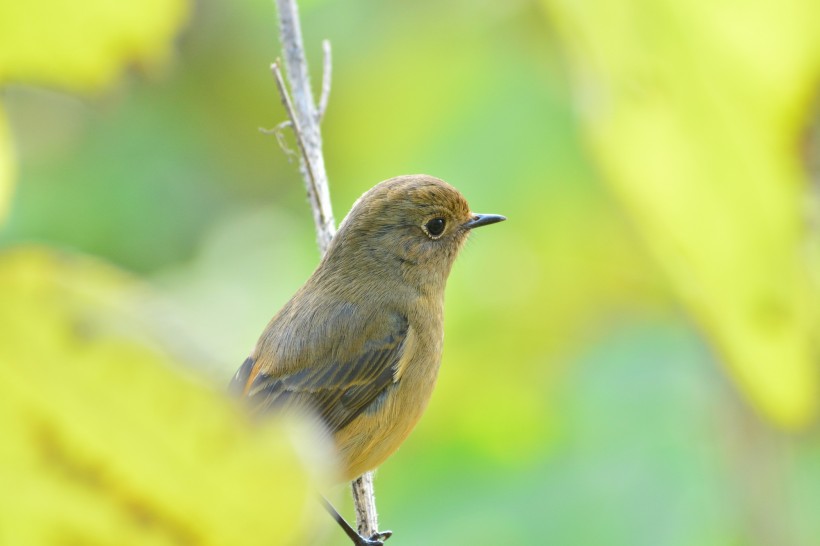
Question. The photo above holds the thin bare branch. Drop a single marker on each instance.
(305, 120)
(364, 497)
(326, 77)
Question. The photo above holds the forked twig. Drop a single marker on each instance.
(297, 131)
(303, 112)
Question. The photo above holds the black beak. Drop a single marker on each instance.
(479, 220)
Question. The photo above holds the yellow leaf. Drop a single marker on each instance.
(103, 443)
(694, 111)
(84, 46)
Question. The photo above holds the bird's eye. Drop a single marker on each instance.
(435, 227)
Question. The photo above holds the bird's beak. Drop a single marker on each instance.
(479, 220)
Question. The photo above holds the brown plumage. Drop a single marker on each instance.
(360, 343)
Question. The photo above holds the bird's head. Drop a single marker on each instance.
(410, 227)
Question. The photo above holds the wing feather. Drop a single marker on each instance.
(335, 390)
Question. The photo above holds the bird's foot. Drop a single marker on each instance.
(381, 536)
(376, 539)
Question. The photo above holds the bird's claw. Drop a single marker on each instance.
(376, 539)
(381, 536)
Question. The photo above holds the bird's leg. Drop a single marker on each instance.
(376, 540)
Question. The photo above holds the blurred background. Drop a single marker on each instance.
(629, 360)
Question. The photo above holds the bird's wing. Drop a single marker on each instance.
(337, 391)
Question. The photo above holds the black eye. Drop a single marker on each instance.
(435, 227)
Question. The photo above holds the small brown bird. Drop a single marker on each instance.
(359, 345)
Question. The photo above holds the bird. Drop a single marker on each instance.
(359, 345)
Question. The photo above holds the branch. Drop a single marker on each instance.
(305, 121)
(364, 497)
(305, 118)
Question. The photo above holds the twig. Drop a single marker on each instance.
(313, 189)
(305, 118)
(364, 497)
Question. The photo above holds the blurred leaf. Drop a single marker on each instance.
(6, 166)
(693, 110)
(104, 444)
(83, 47)
(78, 47)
